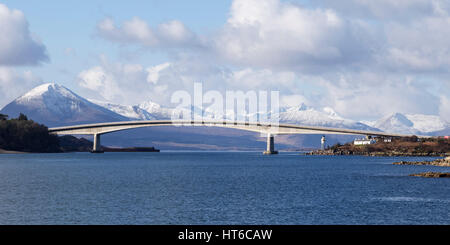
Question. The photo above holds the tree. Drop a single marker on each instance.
(414, 138)
(22, 117)
(3, 117)
(25, 135)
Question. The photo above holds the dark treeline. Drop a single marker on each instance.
(21, 134)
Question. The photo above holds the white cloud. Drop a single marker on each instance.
(132, 83)
(17, 45)
(444, 109)
(14, 83)
(123, 83)
(279, 35)
(260, 79)
(93, 78)
(258, 33)
(412, 35)
(153, 72)
(387, 9)
(420, 45)
(373, 99)
(136, 31)
(364, 59)
(294, 100)
(115, 81)
(272, 33)
(174, 31)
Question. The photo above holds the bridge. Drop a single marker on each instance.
(270, 129)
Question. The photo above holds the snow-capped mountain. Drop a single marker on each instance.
(156, 110)
(301, 114)
(54, 105)
(426, 123)
(410, 123)
(149, 110)
(327, 117)
(131, 112)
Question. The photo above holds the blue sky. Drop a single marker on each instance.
(363, 59)
(63, 25)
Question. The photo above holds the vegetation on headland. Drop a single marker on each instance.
(24, 135)
(402, 146)
(21, 134)
(69, 143)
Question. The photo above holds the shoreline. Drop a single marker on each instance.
(131, 149)
(432, 175)
(2, 151)
(441, 162)
(375, 154)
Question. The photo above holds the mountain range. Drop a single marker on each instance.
(56, 105)
(417, 124)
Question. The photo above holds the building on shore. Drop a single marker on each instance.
(364, 141)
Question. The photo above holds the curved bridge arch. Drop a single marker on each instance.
(98, 129)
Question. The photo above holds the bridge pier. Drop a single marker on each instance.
(97, 147)
(270, 145)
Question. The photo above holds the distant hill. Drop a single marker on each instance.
(55, 105)
(304, 115)
(417, 124)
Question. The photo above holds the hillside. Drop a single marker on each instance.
(417, 124)
(21, 135)
(55, 105)
(406, 146)
(25, 135)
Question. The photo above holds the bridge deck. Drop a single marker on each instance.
(274, 129)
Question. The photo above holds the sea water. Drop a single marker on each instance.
(218, 188)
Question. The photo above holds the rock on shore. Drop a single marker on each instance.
(375, 153)
(432, 175)
(445, 162)
(10, 152)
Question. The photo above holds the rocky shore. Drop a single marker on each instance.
(131, 149)
(376, 153)
(445, 162)
(11, 152)
(432, 175)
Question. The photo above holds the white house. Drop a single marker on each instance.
(364, 141)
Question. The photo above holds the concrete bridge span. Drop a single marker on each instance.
(97, 129)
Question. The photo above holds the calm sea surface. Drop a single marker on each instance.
(217, 188)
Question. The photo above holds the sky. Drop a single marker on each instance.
(365, 59)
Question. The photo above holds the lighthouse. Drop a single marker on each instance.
(322, 141)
